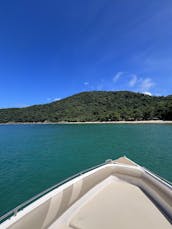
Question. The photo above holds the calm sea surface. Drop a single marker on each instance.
(35, 157)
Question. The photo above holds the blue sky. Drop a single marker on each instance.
(52, 49)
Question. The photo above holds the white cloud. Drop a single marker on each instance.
(56, 99)
(22, 105)
(133, 80)
(146, 84)
(53, 99)
(117, 76)
(147, 93)
(86, 83)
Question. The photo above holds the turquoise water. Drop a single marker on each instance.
(34, 157)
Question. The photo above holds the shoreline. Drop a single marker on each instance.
(91, 122)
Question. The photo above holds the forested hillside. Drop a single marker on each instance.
(94, 106)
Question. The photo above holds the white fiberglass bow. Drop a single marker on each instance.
(117, 194)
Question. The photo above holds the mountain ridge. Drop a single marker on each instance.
(94, 106)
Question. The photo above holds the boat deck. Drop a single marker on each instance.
(113, 203)
(118, 194)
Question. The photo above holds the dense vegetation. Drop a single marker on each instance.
(94, 106)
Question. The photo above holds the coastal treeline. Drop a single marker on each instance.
(95, 106)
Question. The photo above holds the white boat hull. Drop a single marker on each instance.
(118, 194)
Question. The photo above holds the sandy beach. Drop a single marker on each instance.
(121, 122)
(109, 122)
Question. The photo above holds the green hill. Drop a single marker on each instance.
(94, 106)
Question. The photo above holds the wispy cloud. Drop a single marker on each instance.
(133, 80)
(125, 81)
(56, 99)
(146, 84)
(137, 82)
(19, 105)
(53, 99)
(147, 93)
(23, 105)
(117, 76)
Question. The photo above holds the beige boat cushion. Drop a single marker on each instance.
(119, 205)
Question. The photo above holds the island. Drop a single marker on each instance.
(94, 106)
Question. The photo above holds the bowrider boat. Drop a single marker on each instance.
(117, 194)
